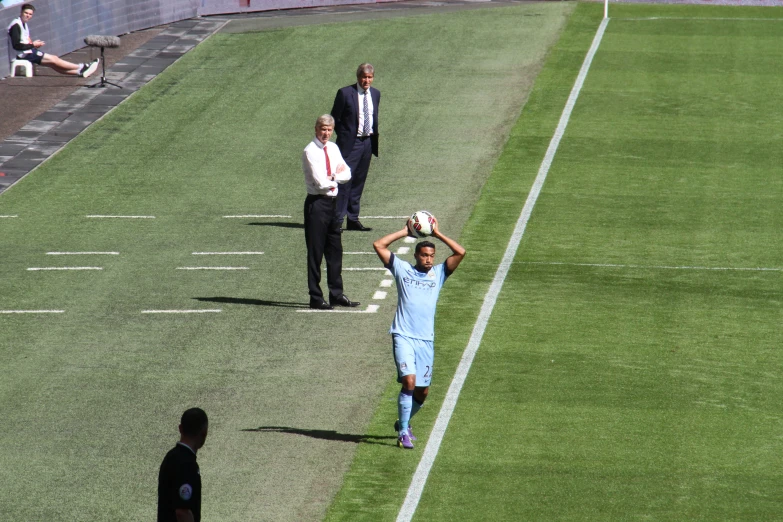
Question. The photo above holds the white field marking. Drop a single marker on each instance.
(32, 311)
(100, 216)
(358, 253)
(403, 250)
(227, 253)
(82, 253)
(699, 18)
(181, 311)
(386, 283)
(34, 269)
(447, 409)
(384, 217)
(409, 239)
(379, 294)
(656, 267)
(366, 269)
(371, 309)
(212, 268)
(4, 217)
(241, 216)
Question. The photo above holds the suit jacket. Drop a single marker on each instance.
(345, 112)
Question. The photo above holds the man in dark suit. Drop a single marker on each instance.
(355, 112)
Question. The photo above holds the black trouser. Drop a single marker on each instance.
(350, 193)
(323, 239)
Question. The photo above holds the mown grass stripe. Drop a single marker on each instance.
(416, 488)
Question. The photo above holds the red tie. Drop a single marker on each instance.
(328, 166)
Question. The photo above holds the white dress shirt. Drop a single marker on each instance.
(362, 95)
(314, 167)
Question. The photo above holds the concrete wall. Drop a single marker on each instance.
(63, 24)
(210, 7)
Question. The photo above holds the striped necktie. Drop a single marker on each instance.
(367, 123)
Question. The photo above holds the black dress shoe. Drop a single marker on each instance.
(320, 304)
(343, 301)
(356, 225)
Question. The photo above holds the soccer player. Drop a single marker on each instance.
(179, 480)
(413, 328)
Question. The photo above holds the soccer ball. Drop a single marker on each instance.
(421, 223)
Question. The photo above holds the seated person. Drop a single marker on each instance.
(24, 48)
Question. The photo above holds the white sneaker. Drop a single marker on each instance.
(90, 69)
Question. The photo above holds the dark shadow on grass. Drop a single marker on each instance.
(278, 224)
(329, 435)
(252, 302)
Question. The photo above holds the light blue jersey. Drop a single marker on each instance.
(417, 295)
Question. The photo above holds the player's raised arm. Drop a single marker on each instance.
(453, 261)
(381, 245)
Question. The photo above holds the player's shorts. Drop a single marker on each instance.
(413, 356)
(34, 56)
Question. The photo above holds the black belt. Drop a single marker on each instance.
(362, 138)
(312, 197)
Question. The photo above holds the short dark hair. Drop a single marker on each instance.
(193, 422)
(424, 244)
(25, 7)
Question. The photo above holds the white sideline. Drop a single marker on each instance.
(101, 216)
(82, 253)
(227, 253)
(212, 268)
(258, 216)
(32, 311)
(419, 480)
(34, 269)
(658, 267)
(181, 311)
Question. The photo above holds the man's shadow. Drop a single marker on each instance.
(279, 224)
(252, 302)
(329, 435)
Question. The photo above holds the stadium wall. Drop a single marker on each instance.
(63, 24)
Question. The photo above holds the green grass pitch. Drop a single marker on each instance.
(629, 370)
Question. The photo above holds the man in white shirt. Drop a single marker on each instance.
(324, 168)
(22, 47)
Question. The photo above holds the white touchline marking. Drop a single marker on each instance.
(82, 253)
(32, 311)
(367, 269)
(386, 283)
(65, 268)
(699, 18)
(99, 216)
(227, 253)
(181, 311)
(258, 216)
(357, 253)
(449, 403)
(379, 294)
(371, 309)
(3, 217)
(656, 267)
(212, 268)
(384, 217)
(409, 239)
(403, 250)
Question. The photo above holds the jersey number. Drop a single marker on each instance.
(428, 373)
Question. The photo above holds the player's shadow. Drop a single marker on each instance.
(279, 224)
(328, 435)
(251, 302)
